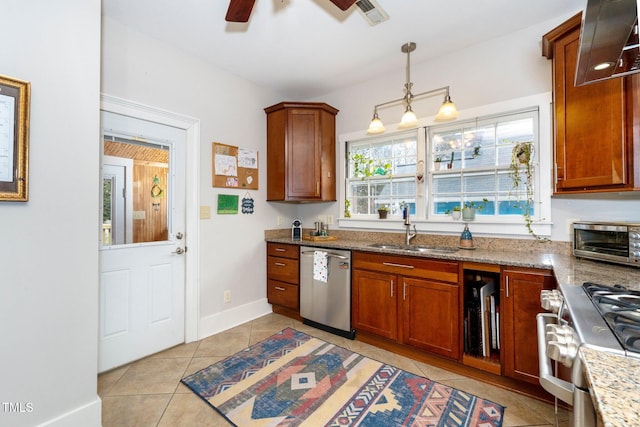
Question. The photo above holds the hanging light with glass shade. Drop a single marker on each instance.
(447, 110)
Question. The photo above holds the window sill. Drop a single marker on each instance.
(478, 227)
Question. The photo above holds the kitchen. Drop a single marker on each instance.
(52, 302)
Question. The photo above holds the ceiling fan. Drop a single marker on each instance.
(240, 10)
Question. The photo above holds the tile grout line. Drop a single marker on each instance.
(164, 411)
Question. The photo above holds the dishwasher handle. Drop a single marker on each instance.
(329, 254)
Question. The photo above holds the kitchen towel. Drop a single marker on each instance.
(320, 266)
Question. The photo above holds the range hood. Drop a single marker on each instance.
(608, 41)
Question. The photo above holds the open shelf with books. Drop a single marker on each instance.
(481, 317)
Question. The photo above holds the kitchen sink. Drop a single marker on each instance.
(386, 246)
(431, 249)
(415, 248)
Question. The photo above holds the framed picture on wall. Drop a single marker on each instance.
(14, 139)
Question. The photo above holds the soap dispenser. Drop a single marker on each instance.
(466, 239)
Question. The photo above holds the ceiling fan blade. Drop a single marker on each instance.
(239, 10)
(343, 4)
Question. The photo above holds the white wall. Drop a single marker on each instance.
(48, 245)
(232, 248)
(498, 70)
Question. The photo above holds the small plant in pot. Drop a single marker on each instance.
(470, 208)
(455, 213)
(383, 211)
(437, 162)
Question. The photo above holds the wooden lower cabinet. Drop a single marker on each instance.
(417, 303)
(283, 276)
(413, 301)
(520, 303)
(430, 316)
(374, 303)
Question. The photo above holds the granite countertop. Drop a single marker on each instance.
(615, 386)
(614, 380)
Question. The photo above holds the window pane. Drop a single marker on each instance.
(446, 184)
(481, 157)
(382, 174)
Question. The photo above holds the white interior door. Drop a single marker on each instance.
(142, 278)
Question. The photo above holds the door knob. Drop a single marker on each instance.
(179, 251)
(179, 235)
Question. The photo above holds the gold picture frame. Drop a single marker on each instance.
(14, 139)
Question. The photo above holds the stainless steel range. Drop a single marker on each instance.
(603, 317)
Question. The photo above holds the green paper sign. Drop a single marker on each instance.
(227, 204)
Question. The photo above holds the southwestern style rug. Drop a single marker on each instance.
(293, 379)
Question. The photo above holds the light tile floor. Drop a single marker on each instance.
(148, 392)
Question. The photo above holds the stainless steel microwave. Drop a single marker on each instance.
(616, 242)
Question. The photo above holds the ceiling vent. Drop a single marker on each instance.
(372, 11)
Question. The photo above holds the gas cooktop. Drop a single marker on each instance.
(620, 308)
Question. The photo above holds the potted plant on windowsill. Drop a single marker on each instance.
(455, 212)
(382, 212)
(522, 176)
(470, 208)
(437, 162)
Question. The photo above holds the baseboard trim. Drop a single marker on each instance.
(86, 415)
(228, 319)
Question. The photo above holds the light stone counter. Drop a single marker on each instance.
(614, 380)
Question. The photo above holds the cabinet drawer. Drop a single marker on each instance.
(283, 269)
(283, 250)
(283, 294)
(444, 271)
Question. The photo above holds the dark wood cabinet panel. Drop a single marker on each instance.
(301, 160)
(595, 125)
(430, 316)
(413, 301)
(374, 306)
(283, 276)
(520, 303)
(283, 250)
(284, 294)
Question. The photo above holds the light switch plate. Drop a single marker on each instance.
(205, 212)
(139, 214)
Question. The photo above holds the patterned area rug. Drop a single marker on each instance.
(292, 379)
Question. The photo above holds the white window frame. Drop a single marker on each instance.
(483, 225)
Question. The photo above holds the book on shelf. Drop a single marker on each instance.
(486, 291)
(482, 318)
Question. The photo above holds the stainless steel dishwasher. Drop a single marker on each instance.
(325, 290)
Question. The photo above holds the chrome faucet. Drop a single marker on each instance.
(409, 236)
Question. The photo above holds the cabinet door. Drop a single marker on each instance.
(591, 131)
(374, 303)
(303, 153)
(430, 316)
(519, 306)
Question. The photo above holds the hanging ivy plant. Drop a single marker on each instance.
(521, 175)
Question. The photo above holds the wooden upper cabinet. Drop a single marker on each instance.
(301, 152)
(596, 126)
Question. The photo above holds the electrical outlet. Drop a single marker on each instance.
(227, 296)
(322, 218)
(279, 220)
(330, 219)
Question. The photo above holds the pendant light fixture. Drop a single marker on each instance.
(447, 110)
